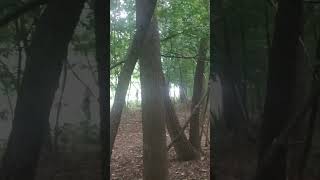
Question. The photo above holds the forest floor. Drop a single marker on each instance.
(127, 161)
(82, 162)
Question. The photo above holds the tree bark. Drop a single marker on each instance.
(153, 120)
(101, 35)
(285, 52)
(48, 49)
(217, 126)
(195, 138)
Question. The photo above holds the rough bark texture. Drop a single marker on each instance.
(101, 33)
(282, 77)
(217, 126)
(48, 49)
(301, 91)
(183, 148)
(127, 70)
(155, 160)
(195, 138)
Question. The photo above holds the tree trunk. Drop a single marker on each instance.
(40, 80)
(183, 96)
(153, 120)
(85, 108)
(127, 70)
(183, 148)
(218, 130)
(213, 127)
(195, 138)
(101, 34)
(282, 76)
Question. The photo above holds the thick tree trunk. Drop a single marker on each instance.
(218, 130)
(155, 159)
(195, 138)
(298, 151)
(101, 34)
(282, 76)
(48, 49)
(127, 70)
(183, 148)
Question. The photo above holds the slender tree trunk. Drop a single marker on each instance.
(41, 79)
(282, 76)
(213, 127)
(195, 138)
(153, 120)
(183, 96)
(101, 36)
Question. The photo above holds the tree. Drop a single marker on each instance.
(155, 159)
(125, 75)
(195, 137)
(40, 80)
(100, 9)
(284, 59)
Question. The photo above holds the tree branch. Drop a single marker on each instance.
(116, 64)
(178, 56)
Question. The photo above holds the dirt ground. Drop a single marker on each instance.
(82, 162)
(127, 162)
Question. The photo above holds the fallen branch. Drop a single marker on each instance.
(188, 121)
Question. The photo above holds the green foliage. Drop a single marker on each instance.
(181, 26)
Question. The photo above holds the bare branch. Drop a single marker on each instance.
(188, 121)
